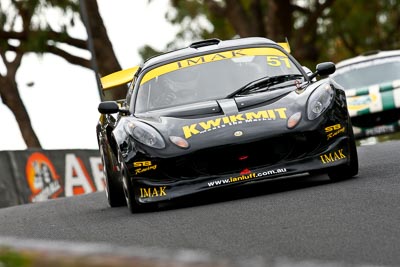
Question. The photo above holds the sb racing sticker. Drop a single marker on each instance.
(143, 166)
(334, 130)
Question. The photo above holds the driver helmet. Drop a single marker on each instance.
(183, 81)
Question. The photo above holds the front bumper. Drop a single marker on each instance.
(151, 190)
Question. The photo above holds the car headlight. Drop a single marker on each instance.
(319, 101)
(145, 134)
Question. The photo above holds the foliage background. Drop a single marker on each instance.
(317, 30)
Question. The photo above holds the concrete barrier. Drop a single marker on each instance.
(8, 192)
(37, 175)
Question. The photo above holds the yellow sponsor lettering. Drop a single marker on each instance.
(277, 61)
(341, 155)
(226, 120)
(332, 156)
(286, 61)
(145, 192)
(234, 118)
(145, 169)
(142, 163)
(188, 131)
(281, 112)
(273, 61)
(242, 177)
(333, 134)
(260, 114)
(332, 131)
(257, 51)
(211, 123)
(190, 62)
(328, 158)
(207, 58)
(195, 61)
(218, 57)
(162, 191)
(333, 127)
(270, 114)
(153, 192)
(238, 53)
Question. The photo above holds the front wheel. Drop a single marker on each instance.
(127, 185)
(113, 187)
(351, 169)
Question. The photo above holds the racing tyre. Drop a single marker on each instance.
(113, 187)
(351, 169)
(129, 193)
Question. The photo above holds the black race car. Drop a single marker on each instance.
(219, 114)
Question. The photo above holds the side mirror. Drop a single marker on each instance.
(108, 107)
(323, 69)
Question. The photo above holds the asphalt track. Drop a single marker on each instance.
(356, 221)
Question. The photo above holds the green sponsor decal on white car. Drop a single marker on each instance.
(375, 98)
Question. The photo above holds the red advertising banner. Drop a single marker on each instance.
(39, 175)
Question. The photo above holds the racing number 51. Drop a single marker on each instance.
(276, 61)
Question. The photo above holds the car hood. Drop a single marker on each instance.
(227, 121)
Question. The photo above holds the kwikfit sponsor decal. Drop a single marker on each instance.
(248, 117)
(246, 177)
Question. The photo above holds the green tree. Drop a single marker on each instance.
(298, 21)
(358, 26)
(24, 28)
(317, 30)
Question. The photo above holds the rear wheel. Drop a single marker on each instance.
(113, 187)
(351, 169)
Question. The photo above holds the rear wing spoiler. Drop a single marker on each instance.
(285, 46)
(118, 78)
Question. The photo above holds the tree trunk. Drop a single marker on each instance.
(10, 96)
(279, 23)
(106, 59)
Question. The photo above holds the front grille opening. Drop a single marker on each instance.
(234, 158)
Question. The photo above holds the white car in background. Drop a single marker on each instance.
(372, 87)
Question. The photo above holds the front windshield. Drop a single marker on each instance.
(209, 77)
(368, 73)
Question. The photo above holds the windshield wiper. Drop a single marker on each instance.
(263, 83)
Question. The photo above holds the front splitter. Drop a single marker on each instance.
(152, 191)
